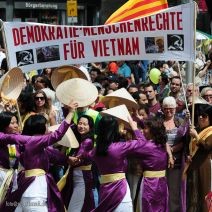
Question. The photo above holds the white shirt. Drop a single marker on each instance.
(2, 56)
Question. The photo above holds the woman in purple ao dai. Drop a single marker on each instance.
(109, 156)
(80, 177)
(37, 190)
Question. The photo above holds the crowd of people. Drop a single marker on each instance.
(158, 161)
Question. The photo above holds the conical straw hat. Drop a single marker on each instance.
(118, 97)
(67, 72)
(68, 140)
(79, 90)
(11, 84)
(200, 100)
(120, 112)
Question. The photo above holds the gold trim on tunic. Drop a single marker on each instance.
(110, 178)
(34, 172)
(151, 174)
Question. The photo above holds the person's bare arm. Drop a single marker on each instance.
(202, 73)
(171, 159)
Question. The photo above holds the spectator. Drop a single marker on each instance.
(47, 72)
(94, 73)
(41, 82)
(132, 88)
(113, 82)
(135, 70)
(144, 66)
(123, 82)
(189, 90)
(44, 107)
(26, 106)
(206, 73)
(143, 112)
(206, 93)
(199, 173)
(142, 98)
(154, 105)
(176, 129)
(124, 70)
(175, 91)
(113, 67)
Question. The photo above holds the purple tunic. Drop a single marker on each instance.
(56, 157)
(155, 190)
(67, 191)
(153, 158)
(35, 156)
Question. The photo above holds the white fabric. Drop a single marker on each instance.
(78, 196)
(2, 176)
(50, 94)
(31, 204)
(141, 192)
(85, 71)
(126, 203)
(15, 183)
(2, 56)
(133, 183)
(38, 188)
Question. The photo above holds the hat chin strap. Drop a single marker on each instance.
(6, 82)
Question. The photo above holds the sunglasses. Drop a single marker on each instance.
(39, 97)
(207, 96)
(169, 108)
(203, 115)
(175, 84)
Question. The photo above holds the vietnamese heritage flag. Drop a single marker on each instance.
(136, 9)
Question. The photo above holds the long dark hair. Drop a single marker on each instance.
(35, 125)
(80, 137)
(157, 130)
(108, 132)
(5, 119)
(27, 102)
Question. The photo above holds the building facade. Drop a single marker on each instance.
(49, 11)
(90, 12)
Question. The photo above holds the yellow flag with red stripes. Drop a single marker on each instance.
(135, 9)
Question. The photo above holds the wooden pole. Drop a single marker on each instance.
(19, 116)
(193, 105)
(184, 94)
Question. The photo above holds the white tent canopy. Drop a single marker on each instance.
(202, 36)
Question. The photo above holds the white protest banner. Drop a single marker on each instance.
(167, 35)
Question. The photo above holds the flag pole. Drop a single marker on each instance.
(19, 116)
(184, 175)
(193, 79)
